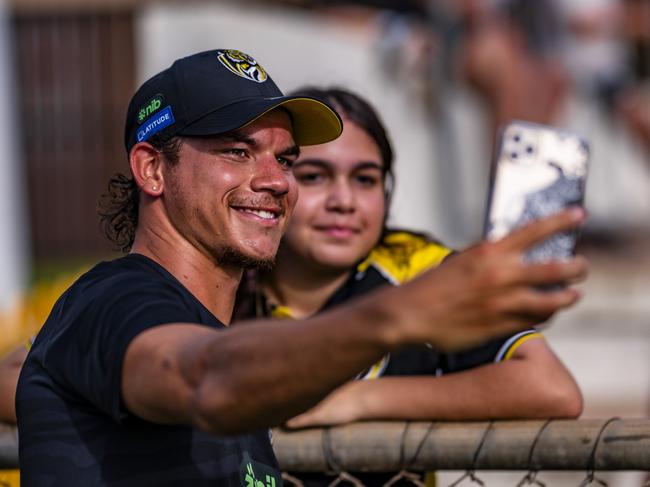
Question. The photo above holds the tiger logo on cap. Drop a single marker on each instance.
(242, 65)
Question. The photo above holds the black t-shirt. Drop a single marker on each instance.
(74, 428)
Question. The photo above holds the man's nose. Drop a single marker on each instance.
(271, 176)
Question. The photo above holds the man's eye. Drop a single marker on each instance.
(285, 162)
(236, 152)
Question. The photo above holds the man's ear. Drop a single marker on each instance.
(146, 167)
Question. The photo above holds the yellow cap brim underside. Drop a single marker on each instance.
(314, 122)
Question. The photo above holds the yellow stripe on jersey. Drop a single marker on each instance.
(401, 256)
(520, 342)
(377, 370)
(510, 347)
(281, 312)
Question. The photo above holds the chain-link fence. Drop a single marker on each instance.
(405, 453)
(410, 450)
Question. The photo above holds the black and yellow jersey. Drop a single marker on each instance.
(398, 258)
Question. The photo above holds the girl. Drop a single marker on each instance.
(337, 247)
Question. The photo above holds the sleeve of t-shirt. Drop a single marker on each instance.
(493, 351)
(86, 357)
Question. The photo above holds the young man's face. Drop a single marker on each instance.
(231, 195)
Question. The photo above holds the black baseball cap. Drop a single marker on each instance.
(217, 91)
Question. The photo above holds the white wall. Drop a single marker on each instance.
(13, 215)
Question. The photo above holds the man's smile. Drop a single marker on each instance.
(267, 214)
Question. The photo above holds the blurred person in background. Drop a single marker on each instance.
(509, 54)
(337, 247)
(524, 57)
(607, 55)
(507, 51)
(633, 101)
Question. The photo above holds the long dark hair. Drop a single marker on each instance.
(118, 208)
(359, 111)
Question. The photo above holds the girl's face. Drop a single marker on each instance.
(340, 211)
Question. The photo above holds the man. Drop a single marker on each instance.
(136, 378)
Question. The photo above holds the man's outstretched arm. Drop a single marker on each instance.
(263, 373)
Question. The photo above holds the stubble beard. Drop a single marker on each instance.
(229, 256)
(233, 257)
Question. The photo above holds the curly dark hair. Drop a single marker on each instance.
(118, 208)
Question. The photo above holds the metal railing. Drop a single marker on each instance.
(410, 448)
(8, 446)
(601, 444)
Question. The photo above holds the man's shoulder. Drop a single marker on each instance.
(130, 263)
(124, 273)
(122, 286)
(114, 301)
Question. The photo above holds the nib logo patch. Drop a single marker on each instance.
(150, 108)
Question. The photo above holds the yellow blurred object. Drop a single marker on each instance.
(9, 478)
(24, 318)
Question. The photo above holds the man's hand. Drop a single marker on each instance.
(488, 290)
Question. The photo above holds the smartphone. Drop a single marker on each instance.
(538, 170)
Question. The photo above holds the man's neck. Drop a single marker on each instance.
(213, 285)
(301, 288)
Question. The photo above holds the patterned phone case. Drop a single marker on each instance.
(538, 171)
